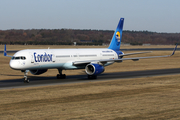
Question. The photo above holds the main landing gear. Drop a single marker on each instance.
(26, 80)
(60, 75)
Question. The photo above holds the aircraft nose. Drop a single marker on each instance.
(13, 64)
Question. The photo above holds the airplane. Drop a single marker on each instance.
(38, 61)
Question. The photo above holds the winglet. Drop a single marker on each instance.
(5, 53)
(174, 50)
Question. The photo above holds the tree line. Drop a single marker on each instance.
(83, 37)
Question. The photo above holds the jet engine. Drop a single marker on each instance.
(38, 72)
(94, 69)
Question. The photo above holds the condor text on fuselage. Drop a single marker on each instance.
(42, 57)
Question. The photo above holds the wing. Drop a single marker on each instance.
(134, 53)
(120, 60)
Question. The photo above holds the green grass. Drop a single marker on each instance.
(140, 98)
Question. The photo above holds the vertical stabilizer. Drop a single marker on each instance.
(5, 53)
(116, 39)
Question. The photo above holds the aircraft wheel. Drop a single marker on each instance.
(58, 76)
(26, 80)
(64, 76)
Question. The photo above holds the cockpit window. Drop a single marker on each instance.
(23, 58)
(18, 58)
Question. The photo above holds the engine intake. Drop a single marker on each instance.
(94, 69)
(38, 72)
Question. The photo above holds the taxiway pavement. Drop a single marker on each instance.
(45, 81)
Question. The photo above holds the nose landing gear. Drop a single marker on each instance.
(26, 80)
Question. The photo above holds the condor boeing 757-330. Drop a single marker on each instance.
(38, 61)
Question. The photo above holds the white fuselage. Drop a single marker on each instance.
(32, 59)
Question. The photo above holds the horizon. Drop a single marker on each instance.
(97, 30)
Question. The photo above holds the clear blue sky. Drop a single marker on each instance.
(151, 15)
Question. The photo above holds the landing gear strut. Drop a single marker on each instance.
(26, 80)
(60, 75)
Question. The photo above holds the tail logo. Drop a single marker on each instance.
(118, 37)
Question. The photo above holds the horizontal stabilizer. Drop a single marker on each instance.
(5, 52)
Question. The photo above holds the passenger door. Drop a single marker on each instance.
(32, 57)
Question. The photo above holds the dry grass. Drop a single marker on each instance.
(142, 98)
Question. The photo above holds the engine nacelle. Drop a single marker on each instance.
(94, 69)
(38, 72)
